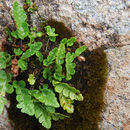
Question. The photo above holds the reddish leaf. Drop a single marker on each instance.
(15, 67)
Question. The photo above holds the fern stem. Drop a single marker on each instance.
(47, 45)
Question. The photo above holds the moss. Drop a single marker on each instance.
(91, 83)
(60, 28)
(90, 79)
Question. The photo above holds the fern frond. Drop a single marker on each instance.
(5, 59)
(60, 55)
(20, 18)
(46, 96)
(4, 87)
(59, 116)
(42, 115)
(67, 91)
(3, 101)
(58, 72)
(25, 102)
(33, 48)
(69, 61)
(66, 103)
(51, 57)
(45, 114)
(69, 66)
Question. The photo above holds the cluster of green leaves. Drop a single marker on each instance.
(38, 103)
(33, 49)
(5, 60)
(57, 56)
(51, 33)
(42, 102)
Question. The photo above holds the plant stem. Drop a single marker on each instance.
(47, 45)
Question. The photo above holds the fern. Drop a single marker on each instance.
(32, 50)
(69, 66)
(51, 33)
(5, 87)
(79, 51)
(5, 59)
(66, 103)
(21, 20)
(67, 91)
(45, 96)
(31, 79)
(58, 73)
(69, 61)
(39, 55)
(58, 116)
(51, 57)
(17, 51)
(71, 41)
(40, 102)
(25, 102)
(45, 114)
(22, 64)
(60, 55)
(67, 95)
(47, 74)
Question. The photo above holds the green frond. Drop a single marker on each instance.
(20, 18)
(25, 102)
(51, 57)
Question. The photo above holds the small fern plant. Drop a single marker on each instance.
(40, 101)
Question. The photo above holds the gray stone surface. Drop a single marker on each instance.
(95, 23)
(117, 94)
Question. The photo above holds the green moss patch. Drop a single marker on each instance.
(90, 79)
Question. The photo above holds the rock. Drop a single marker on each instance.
(96, 23)
(117, 93)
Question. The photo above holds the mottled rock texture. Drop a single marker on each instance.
(96, 23)
(116, 114)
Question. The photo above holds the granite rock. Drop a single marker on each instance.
(116, 113)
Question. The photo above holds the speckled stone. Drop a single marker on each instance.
(117, 94)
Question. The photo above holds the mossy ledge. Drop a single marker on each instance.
(90, 79)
